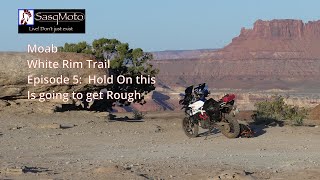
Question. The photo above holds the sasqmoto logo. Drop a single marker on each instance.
(26, 16)
(51, 20)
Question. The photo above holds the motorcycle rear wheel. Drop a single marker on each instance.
(232, 130)
(190, 129)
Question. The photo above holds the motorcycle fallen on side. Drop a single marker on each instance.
(208, 114)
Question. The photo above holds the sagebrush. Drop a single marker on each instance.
(276, 109)
(138, 114)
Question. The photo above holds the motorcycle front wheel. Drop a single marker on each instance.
(232, 130)
(190, 129)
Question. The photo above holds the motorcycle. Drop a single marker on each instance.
(208, 114)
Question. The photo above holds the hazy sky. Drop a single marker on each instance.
(156, 25)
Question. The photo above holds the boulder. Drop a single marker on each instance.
(315, 113)
(14, 73)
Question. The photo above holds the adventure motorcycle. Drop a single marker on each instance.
(208, 114)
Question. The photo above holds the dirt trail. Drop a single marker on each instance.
(35, 146)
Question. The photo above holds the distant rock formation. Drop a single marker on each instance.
(281, 54)
(276, 39)
(180, 54)
(275, 29)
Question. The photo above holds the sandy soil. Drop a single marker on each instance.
(41, 146)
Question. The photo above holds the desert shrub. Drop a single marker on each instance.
(124, 61)
(277, 110)
(138, 114)
(297, 115)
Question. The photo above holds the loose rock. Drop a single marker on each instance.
(67, 126)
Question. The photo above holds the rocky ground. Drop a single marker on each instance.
(85, 145)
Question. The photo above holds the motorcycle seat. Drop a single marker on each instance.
(229, 97)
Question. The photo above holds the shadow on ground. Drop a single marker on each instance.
(114, 118)
(257, 127)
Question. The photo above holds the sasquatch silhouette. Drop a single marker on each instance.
(25, 17)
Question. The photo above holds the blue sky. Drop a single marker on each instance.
(156, 25)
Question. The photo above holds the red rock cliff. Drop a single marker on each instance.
(273, 54)
(275, 29)
(276, 39)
